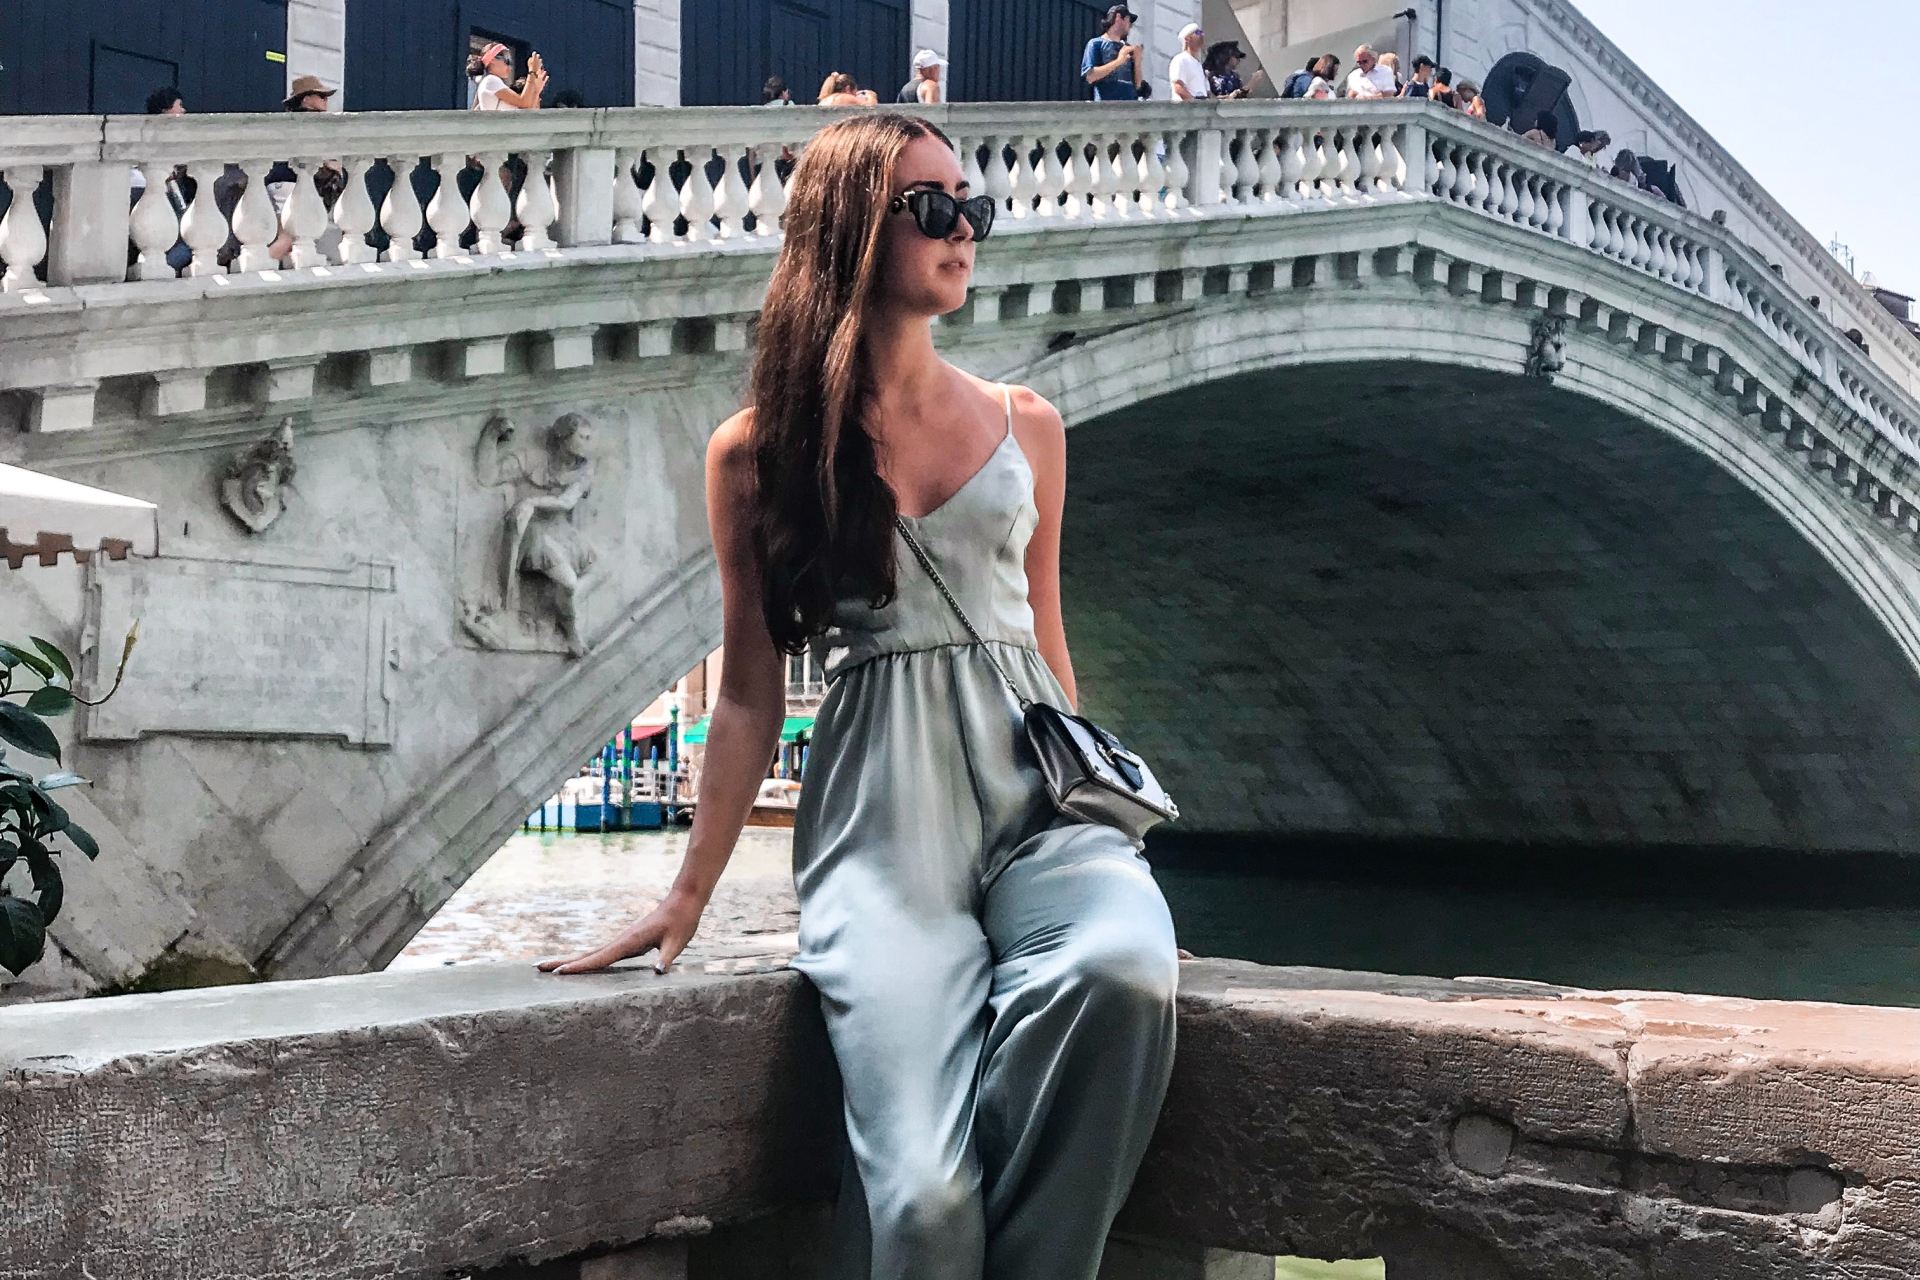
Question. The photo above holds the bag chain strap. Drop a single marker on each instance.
(926, 563)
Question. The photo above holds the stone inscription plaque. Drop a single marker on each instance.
(236, 646)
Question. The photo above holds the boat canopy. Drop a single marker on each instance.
(789, 732)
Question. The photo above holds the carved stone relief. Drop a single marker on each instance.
(1547, 349)
(253, 488)
(531, 593)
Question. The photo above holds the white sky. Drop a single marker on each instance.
(1814, 97)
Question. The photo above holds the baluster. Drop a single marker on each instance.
(1023, 183)
(730, 200)
(353, 215)
(447, 213)
(1053, 177)
(1126, 178)
(1105, 181)
(488, 205)
(1151, 175)
(23, 240)
(1313, 165)
(767, 197)
(697, 197)
(626, 196)
(1293, 163)
(1369, 156)
(400, 214)
(1444, 173)
(970, 170)
(1080, 181)
(1346, 176)
(1524, 203)
(536, 209)
(1273, 169)
(306, 216)
(153, 225)
(1246, 171)
(254, 224)
(995, 179)
(1509, 180)
(1177, 172)
(1393, 165)
(661, 204)
(1557, 195)
(1466, 177)
(204, 227)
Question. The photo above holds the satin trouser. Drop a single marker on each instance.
(1004, 1034)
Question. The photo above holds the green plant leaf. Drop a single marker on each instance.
(23, 933)
(28, 731)
(55, 781)
(50, 701)
(82, 840)
(53, 655)
(46, 884)
(53, 819)
(28, 657)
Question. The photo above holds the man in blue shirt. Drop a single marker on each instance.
(1110, 64)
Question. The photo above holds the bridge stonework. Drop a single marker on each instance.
(1658, 539)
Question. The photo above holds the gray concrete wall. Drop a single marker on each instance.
(431, 1124)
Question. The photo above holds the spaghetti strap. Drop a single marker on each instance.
(1006, 394)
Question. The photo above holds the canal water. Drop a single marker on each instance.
(1817, 927)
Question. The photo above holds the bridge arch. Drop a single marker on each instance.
(1444, 599)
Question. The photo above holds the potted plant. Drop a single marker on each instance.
(31, 820)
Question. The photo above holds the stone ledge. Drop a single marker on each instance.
(477, 1117)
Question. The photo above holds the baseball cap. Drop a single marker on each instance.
(927, 58)
(1121, 11)
(1191, 29)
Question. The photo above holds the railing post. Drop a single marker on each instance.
(92, 204)
(1579, 228)
(1717, 289)
(1416, 153)
(583, 182)
(1204, 148)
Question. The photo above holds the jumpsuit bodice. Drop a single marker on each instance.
(978, 539)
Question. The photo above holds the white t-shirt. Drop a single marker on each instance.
(1186, 69)
(1382, 77)
(487, 96)
(1361, 85)
(1319, 88)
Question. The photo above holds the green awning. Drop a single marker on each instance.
(795, 726)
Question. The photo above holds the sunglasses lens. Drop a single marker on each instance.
(979, 213)
(936, 212)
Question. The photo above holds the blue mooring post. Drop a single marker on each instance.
(606, 784)
(626, 777)
(673, 759)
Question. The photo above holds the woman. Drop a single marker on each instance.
(1321, 86)
(491, 71)
(1470, 100)
(1391, 61)
(997, 980)
(1222, 65)
(840, 90)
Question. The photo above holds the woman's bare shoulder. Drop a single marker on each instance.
(730, 449)
(1035, 417)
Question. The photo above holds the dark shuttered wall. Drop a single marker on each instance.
(729, 47)
(1021, 52)
(84, 57)
(406, 55)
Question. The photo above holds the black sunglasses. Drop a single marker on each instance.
(936, 213)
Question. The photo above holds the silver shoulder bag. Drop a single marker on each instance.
(1090, 775)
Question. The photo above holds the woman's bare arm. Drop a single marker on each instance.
(1040, 432)
(743, 731)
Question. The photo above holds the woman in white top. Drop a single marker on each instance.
(491, 71)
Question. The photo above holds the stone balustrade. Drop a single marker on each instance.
(649, 181)
(490, 1120)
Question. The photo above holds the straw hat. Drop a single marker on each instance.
(305, 85)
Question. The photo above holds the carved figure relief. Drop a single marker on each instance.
(1547, 351)
(253, 487)
(544, 556)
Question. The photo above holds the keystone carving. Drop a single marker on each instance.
(543, 556)
(1547, 349)
(252, 489)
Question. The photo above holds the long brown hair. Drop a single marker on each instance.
(823, 516)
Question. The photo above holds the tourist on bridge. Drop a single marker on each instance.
(1368, 78)
(1470, 100)
(1109, 63)
(1443, 91)
(997, 977)
(925, 87)
(1323, 82)
(841, 90)
(1186, 76)
(1222, 64)
(491, 71)
(1421, 86)
(774, 93)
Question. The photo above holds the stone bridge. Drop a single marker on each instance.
(1423, 483)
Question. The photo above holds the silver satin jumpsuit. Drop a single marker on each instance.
(997, 980)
